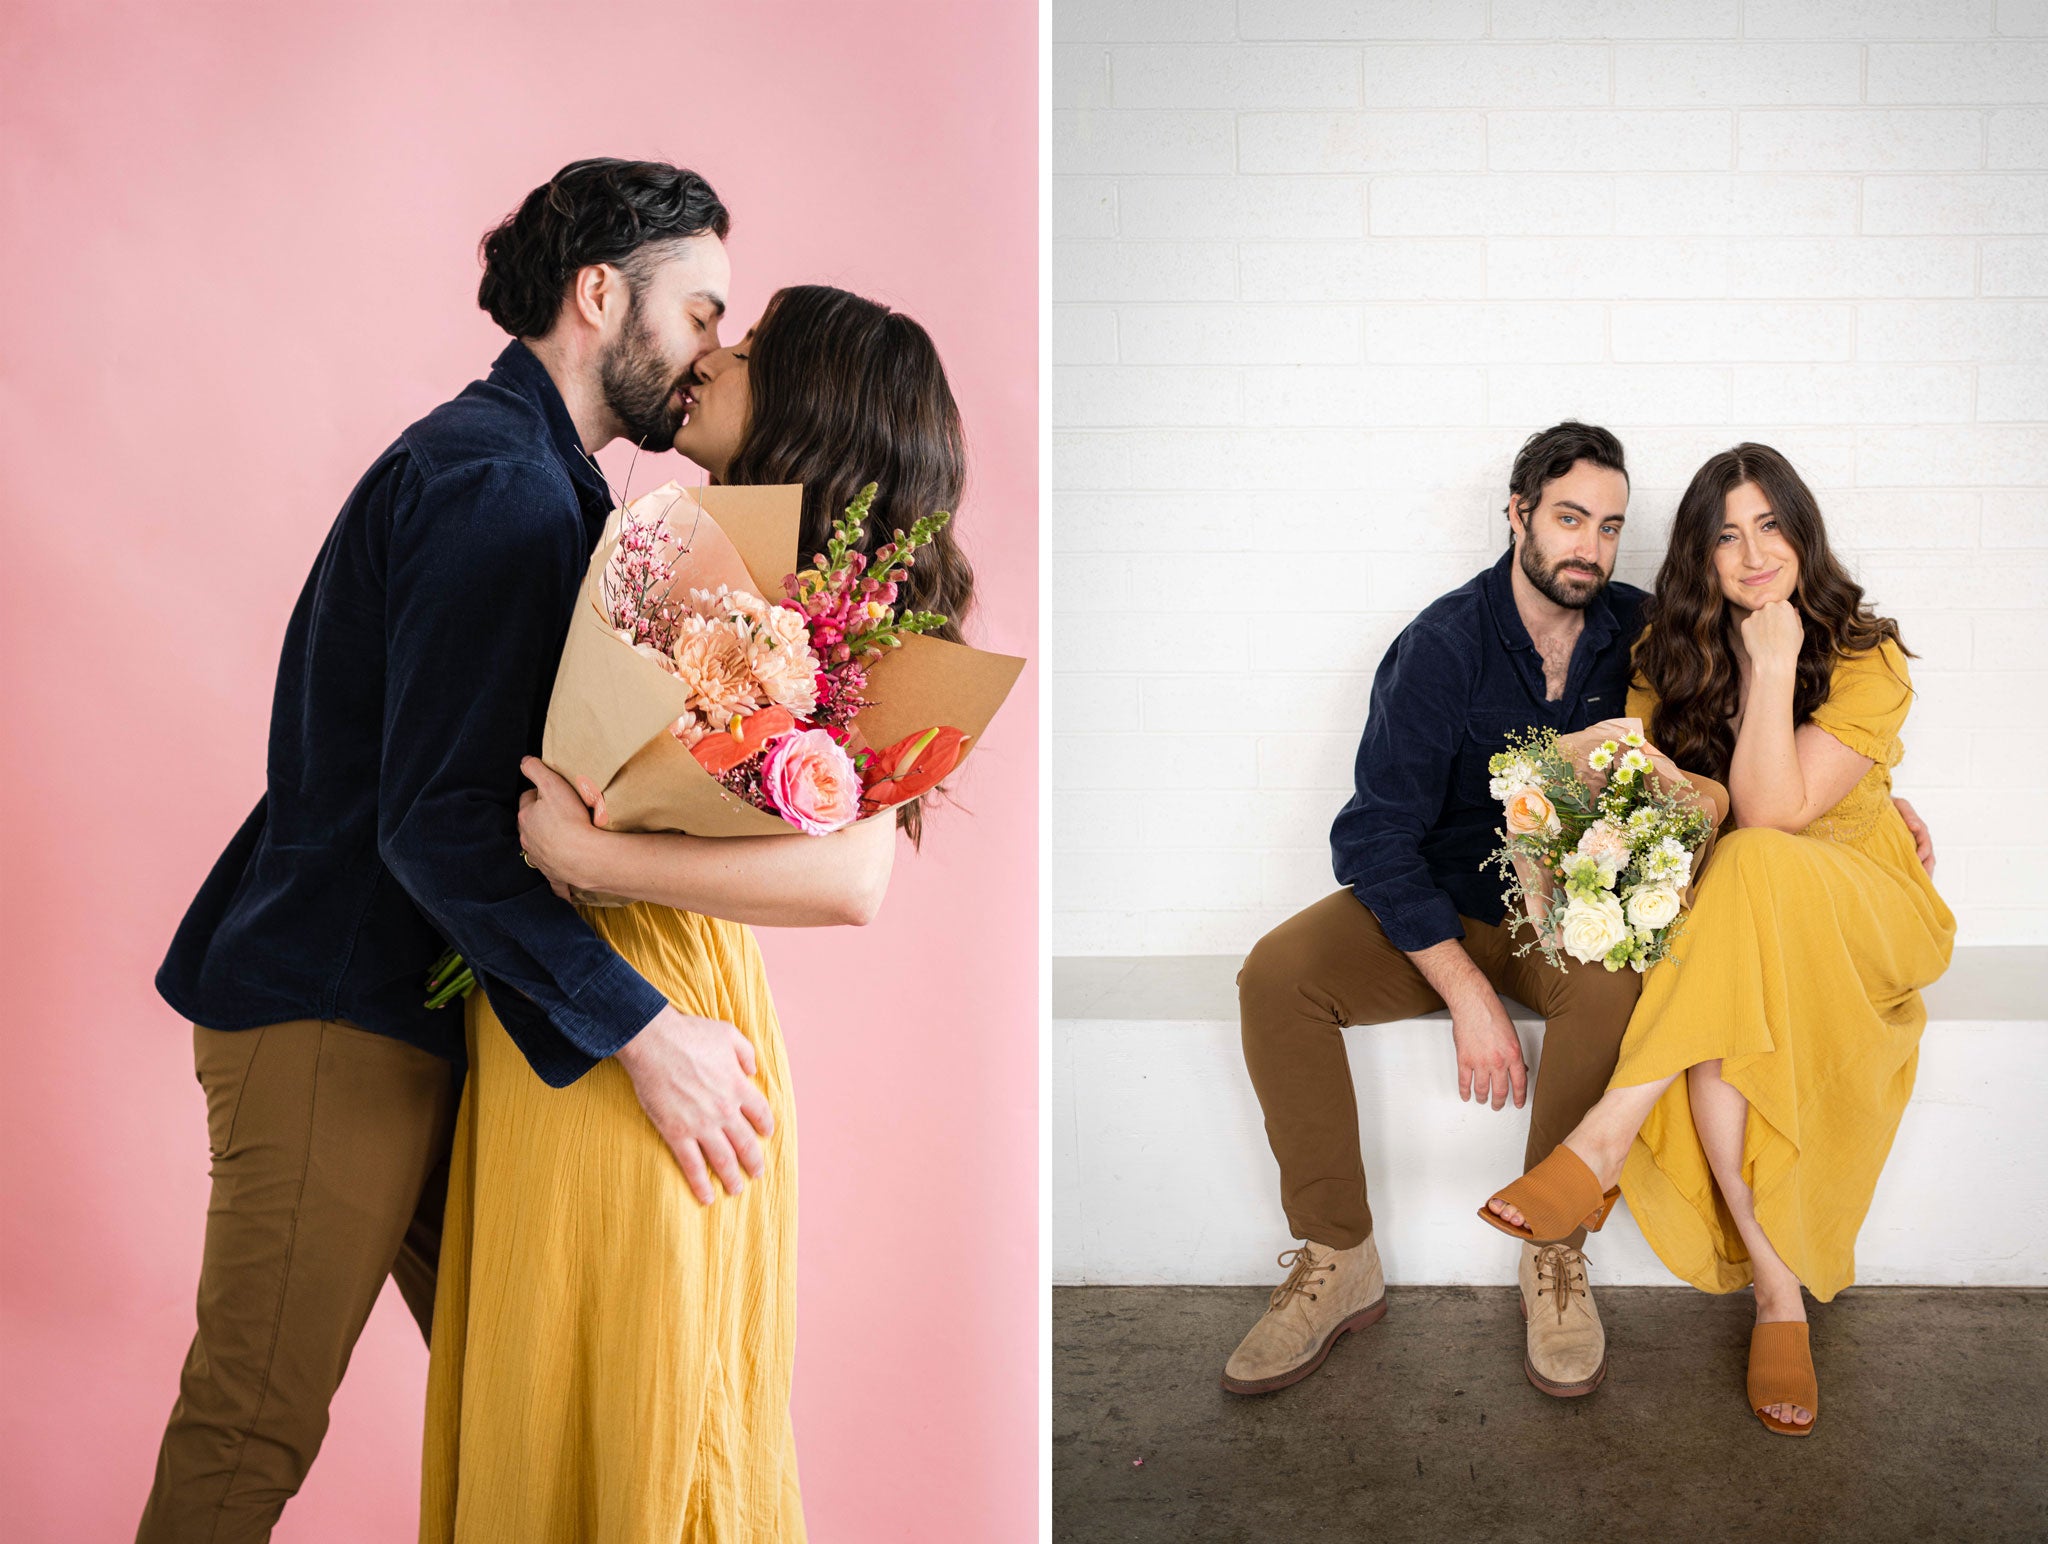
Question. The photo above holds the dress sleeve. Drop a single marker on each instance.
(1642, 702)
(1867, 700)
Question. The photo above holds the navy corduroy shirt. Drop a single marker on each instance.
(416, 673)
(1461, 678)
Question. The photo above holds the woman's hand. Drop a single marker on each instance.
(1772, 635)
(556, 829)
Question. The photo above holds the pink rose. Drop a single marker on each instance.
(1529, 812)
(811, 782)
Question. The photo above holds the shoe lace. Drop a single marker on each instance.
(1564, 1268)
(1303, 1277)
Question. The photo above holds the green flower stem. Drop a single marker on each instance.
(447, 979)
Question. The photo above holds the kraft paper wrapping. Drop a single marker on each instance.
(609, 717)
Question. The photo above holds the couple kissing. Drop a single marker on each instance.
(583, 1179)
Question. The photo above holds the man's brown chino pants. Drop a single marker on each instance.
(330, 1152)
(1331, 966)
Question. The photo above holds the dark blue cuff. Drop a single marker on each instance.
(1421, 925)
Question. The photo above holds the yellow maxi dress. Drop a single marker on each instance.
(1800, 967)
(611, 1359)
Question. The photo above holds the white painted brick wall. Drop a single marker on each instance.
(1319, 266)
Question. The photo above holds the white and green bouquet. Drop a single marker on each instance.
(1606, 877)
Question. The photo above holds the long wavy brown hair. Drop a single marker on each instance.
(1687, 651)
(846, 392)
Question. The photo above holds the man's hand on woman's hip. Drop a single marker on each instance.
(1923, 839)
(694, 1078)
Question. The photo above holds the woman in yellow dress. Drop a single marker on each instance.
(1768, 1061)
(612, 1353)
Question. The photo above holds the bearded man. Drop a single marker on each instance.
(1539, 640)
(415, 675)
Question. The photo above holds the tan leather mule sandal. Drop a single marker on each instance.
(1781, 1373)
(1557, 1196)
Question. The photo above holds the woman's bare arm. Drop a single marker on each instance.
(1779, 777)
(769, 881)
(1783, 778)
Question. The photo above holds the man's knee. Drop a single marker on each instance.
(1595, 996)
(1299, 951)
(1274, 965)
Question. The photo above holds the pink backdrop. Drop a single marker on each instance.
(238, 247)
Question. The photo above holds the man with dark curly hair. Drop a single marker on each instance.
(1541, 639)
(415, 675)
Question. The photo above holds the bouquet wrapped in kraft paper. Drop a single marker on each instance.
(659, 703)
(1603, 877)
(709, 685)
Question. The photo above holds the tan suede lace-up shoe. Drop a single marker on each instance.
(1327, 1292)
(1567, 1345)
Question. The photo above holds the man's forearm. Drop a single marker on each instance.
(1451, 971)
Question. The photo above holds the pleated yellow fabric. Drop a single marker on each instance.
(1800, 967)
(611, 1359)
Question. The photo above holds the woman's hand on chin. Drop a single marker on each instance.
(556, 829)
(1773, 634)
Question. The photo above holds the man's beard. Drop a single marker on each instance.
(1574, 588)
(638, 385)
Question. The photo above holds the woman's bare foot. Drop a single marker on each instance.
(1774, 1306)
(1603, 1157)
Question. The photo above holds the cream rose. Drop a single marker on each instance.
(1588, 929)
(1529, 812)
(1651, 907)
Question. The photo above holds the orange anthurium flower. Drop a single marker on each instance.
(722, 750)
(912, 765)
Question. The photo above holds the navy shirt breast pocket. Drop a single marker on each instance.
(1486, 734)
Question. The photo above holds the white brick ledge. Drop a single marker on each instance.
(1161, 1172)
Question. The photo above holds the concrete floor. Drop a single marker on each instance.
(1934, 1424)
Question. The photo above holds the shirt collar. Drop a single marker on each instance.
(1499, 590)
(519, 370)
